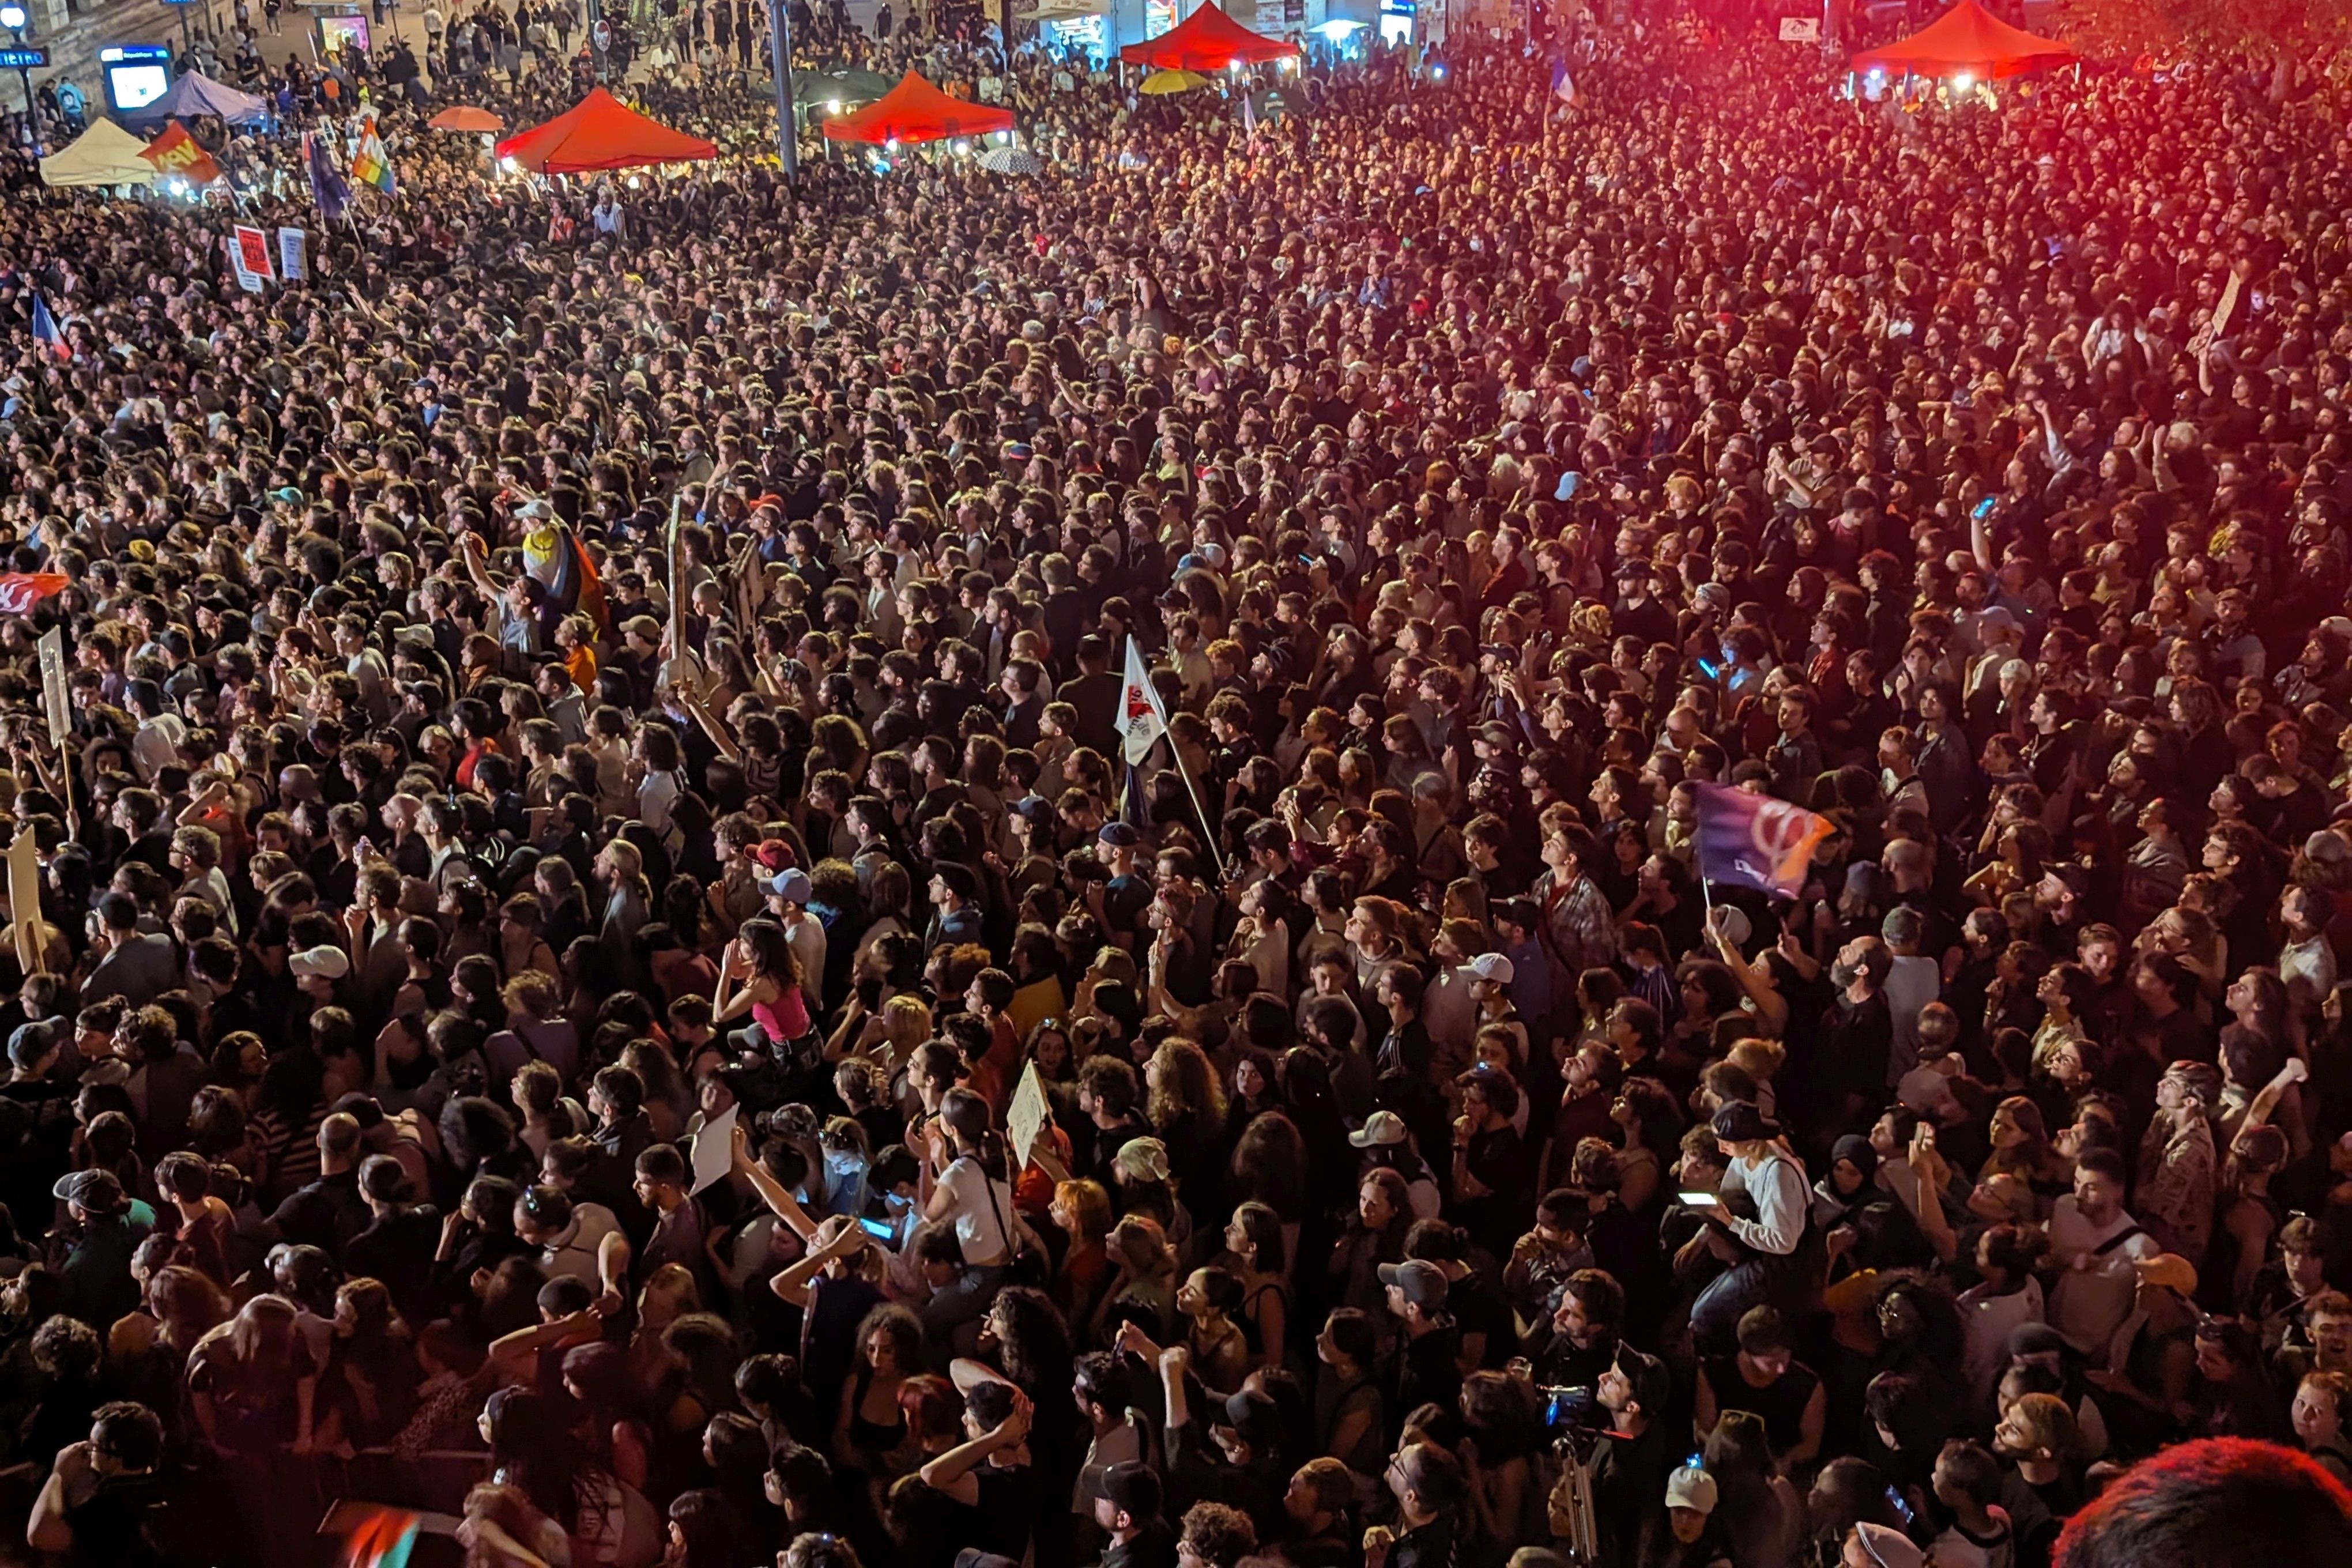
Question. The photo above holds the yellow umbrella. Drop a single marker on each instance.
(1158, 82)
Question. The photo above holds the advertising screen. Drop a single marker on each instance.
(136, 74)
(347, 35)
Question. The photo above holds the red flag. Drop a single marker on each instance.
(20, 590)
(178, 153)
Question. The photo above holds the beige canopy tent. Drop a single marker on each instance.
(105, 154)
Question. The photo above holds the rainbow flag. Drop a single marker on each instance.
(552, 554)
(370, 164)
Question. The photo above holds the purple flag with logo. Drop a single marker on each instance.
(327, 187)
(1755, 841)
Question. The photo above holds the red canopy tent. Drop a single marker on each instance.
(915, 111)
(601, 132)
(1968, 40)
(1207, 40)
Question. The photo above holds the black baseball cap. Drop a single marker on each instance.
(1130, 1486)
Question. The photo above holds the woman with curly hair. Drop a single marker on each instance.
(1652, 1122)
(1187, 1108)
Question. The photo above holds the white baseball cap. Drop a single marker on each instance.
(325, 962)
(1492, 966)
(1691, 1487)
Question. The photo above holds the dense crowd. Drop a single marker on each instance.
(604, 969)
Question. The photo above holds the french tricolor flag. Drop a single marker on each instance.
(46, 332)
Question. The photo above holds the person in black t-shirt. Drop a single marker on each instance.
(1429, 1372)
(1765, 1378)
(1127, 1499)
(990, 1473)
(1493, 1183)
(1431, 1492)
(103, 1501)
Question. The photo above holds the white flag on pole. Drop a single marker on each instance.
(1141, 720)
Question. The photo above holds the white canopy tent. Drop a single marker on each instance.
(105, 154)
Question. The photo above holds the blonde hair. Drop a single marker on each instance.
(1759, 1060)
(2047, 1424)
(630, 861)
(1139, 1243)
(905, 1024)
(673, 1282)
(533, 991)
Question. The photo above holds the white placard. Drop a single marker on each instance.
(714, 1150)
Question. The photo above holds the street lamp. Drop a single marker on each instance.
(13, 17)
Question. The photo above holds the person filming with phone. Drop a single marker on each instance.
(1755, 1223)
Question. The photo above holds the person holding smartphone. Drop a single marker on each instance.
(1757, 1224)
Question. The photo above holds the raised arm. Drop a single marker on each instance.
(469, 551)
(792, 1286)
(951, 1472)
(781, 1203)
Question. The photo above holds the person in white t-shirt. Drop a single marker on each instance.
(2008, 1297)
(966, 1184)
(1913, 983)
(2094, 1244)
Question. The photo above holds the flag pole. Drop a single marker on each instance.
(1140, 673)
(677, 609)
(1208, 829)
(65, 774)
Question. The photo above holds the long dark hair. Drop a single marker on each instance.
(769, 951)
(528, 1443)
(974, 1126)
(1269, 1164)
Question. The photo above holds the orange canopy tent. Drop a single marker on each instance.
(915, 111)
(601, 132)
(1968, 40)
(1207, 40)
